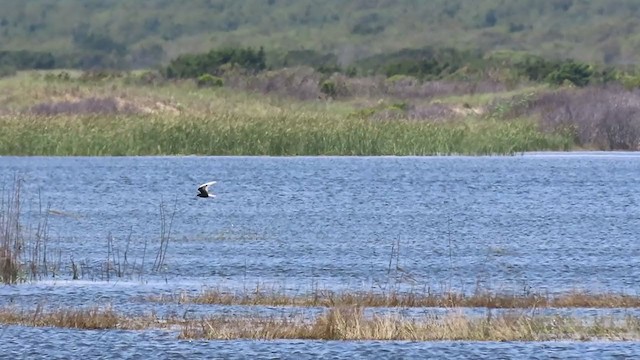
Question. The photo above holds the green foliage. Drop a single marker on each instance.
(194, 65)
(278, 135)
(208, 80)
(631, 82)
(145, 78)
(535, 68)
(425, 63)
(402, 106)
(60, 76)
(7, 70)
(85, 39)
(329, 88)
(97, 76)
(128, 33)
(577, 73)
(23, 59)
(306, 57)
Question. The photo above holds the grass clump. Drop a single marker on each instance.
(343, 323)
(90, 318)
(351, 323)
(325, 298)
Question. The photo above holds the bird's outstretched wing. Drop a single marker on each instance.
(204, 188)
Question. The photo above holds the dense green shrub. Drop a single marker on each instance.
(329, 88)
(631, 81)
(535, 68)
(23, 59)
(306, 57)
(577, 73)
(208, 80)
(194, 65)
(61, 76)
(426, 63)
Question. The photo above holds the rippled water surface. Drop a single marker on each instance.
(538, 222)
(46, 344)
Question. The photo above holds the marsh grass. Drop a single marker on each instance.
(116, 118)
(342, 323)
(287, 134)
(23, 244)
(89, 318)
(351, 323)
(326, 298)
(26, 252)
(11, 242)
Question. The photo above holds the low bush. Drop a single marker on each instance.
(208, 80)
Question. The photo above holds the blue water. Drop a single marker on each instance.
(34, 343)
(533, 223)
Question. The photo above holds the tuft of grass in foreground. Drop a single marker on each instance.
(350, 323)
(271, 134)
(320, 298)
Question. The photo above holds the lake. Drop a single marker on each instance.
(539, 222)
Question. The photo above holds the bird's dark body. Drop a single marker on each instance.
(203, 190)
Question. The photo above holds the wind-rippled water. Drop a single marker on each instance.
(537, 222)
(158, 345)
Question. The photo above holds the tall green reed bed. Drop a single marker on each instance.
(282, 134)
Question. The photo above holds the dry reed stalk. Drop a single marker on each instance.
(11, 239)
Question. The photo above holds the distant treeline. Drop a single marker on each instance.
(145, 33)
(429, 63)
(423, 64)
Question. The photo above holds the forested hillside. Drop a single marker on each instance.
(124, 33)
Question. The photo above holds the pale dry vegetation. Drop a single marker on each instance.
(89, 318)
(600, 117)
(343, 323)
(327, 298)
(351, 323)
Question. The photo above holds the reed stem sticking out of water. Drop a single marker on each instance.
(23, 251)
(166, 224)
(10, 241)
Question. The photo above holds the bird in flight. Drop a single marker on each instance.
(203, 190)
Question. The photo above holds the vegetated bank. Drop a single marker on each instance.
(227, 102)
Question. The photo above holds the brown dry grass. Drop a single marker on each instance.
(350, 323)
(343, 323)
(80, 318)
(323, 298)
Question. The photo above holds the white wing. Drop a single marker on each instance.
(206, 185)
